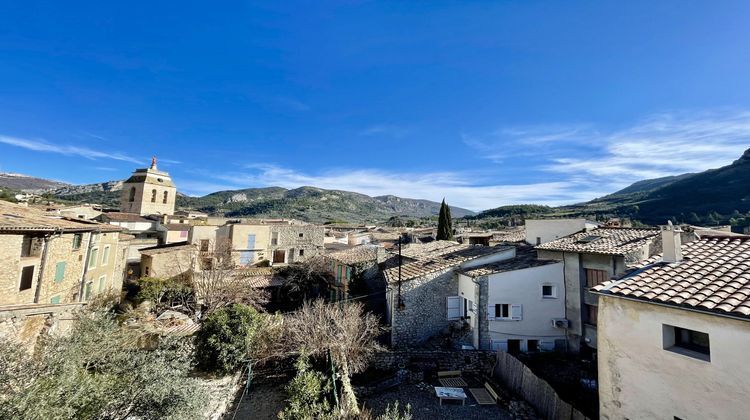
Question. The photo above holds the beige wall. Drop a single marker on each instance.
(638, 379)
(167, 264)
(112, 270)
(59, 252)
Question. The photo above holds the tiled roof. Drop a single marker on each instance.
(713, 276)
(177, 226)
(165, 249)
(525, 258)
(420, 250)
(355, 255)
(607, 241)
(260, 277)
(440, 260)
(125, 217)
(14, 217)
(510, 235)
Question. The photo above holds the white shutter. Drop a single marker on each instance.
(516, 312)
(453, 303)
(490, 312)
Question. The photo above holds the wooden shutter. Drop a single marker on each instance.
(60, 271)
(453, 304)
(516, 312)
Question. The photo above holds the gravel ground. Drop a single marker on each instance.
(426, 406)
(263, 402)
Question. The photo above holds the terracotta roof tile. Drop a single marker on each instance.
(607, 241)
(714, 275)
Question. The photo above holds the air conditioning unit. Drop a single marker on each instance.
(560, 323)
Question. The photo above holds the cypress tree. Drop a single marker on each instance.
(445, 224)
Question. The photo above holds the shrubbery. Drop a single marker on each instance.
(100, 370)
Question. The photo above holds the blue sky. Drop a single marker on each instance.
(485, 103)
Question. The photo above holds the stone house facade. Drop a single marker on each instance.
(419, 300)
(276, 243)
(357, 264)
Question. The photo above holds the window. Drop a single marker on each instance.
(204, 245)
(687, 342)
(594, 277)
(131, 197)
(549, 291)
(453, 307)
(183, 234)
(55, 300)
(102, 283)
(538, 240)
(92, 257)
(502, 310)
(60, 271)
(27, 277)
(505, 312)
(275, 238)
(87, 291)
(301, 235)
(301, 252)
(105, 255)
(153, 196)
(166, 195)
(77, 239)
(147, 271)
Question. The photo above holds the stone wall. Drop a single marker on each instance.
(311, 241)
(429, 361)
(28, 324)
(425, 313)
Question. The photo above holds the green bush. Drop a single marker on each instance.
(226, 335)
(307, 395)
(100, 371)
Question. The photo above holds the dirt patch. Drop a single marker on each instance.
(426, 406)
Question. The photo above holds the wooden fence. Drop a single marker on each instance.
(517, 377)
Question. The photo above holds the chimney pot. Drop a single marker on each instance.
(671, 243)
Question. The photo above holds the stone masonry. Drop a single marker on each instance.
(425, 312)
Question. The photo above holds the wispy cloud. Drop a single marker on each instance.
(105, 168)
(660, 145)
(383, 130)
(67, 150)
(458, 188)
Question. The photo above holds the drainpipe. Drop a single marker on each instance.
(479, 307)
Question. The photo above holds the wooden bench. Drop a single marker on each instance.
(452, 379)
(484, 396)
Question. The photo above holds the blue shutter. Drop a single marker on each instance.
(60, 271)
(55, 300)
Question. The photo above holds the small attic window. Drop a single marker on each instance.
(159, 179)
(588, 239)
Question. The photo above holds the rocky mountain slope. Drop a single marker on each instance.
(27, 183)
(306, 203)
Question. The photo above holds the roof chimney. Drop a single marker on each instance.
(671, 243)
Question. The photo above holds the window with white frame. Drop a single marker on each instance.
(504, 312)
(549, 291)
(105, 255)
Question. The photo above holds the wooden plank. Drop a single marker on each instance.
(482, 396)
(445, 373)
(490, 390)
(453, 382)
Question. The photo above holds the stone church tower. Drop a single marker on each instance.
(148, 191)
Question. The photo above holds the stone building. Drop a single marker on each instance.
(48, 262)
(590, 258)
(419, 292)
(359, 263)
(674, 333)
(166, 261)
(148, 191)
(274, 243)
